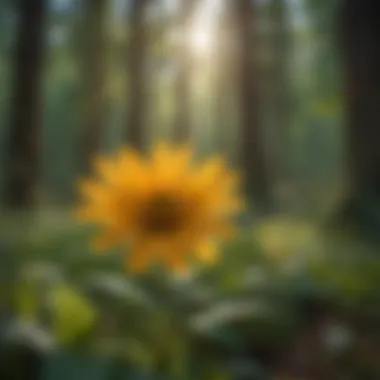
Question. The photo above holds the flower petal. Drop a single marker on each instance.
(207, 251)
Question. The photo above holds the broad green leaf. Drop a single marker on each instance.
(32, 288)
(26, 301)
(72, 314)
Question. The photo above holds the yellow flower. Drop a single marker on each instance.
(165, 207)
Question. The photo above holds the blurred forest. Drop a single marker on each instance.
(288, 92)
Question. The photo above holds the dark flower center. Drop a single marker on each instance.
(162, 214)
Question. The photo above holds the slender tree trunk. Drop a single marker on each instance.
(279, 85)
(223, 80)
(361, 52)
(252, 154)
(24, 134)
(359, 40)
(137, 57)
(182, 124)
(93, 73)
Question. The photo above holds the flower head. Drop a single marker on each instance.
(166, 207)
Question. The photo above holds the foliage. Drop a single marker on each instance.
(227, 319)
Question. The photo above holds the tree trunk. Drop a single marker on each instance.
(223, 80)
(93, 73)
(279, 97)
(137, 58)
(25, 117)
(182, 125)
(359, 36)
(253, 161)
(361, 53)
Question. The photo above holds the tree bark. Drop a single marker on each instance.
(223, 80)
(279, 85)
(359, 33)
(25, 115)
(182, 121)
(252, 153)
(360, 29)
(137, 57)
(93, 74)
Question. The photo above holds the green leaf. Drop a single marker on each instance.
(72, 314)
(26, 302)
(112, 290)
(32, 288)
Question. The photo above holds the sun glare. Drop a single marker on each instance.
(201, 40)
(202, 36)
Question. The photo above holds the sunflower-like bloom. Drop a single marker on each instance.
(167, 208)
